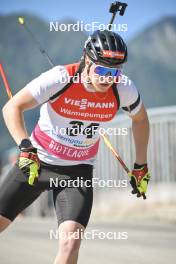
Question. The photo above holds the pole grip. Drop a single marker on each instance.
(114, 8)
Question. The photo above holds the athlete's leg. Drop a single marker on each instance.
(73, 207)
(15, 195)
(69, 242)
(4, 223)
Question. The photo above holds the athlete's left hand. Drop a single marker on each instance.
(139, 181)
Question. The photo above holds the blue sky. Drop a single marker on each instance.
(139, 13)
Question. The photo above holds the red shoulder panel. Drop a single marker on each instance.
(72, 68)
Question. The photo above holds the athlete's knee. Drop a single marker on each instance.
(70, 238)
(69, 246)
(4, 223)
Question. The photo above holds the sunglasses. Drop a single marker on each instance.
(106, 71)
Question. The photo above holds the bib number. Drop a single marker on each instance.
(77, 128)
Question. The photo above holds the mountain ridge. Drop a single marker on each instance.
(151, 63)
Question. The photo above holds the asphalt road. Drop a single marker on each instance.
(28, 241)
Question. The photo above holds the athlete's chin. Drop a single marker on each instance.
(102, 88)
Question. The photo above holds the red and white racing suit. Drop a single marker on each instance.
(79, 106)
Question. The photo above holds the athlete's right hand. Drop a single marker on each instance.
(29, 163)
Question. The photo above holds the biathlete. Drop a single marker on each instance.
(65, 140)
